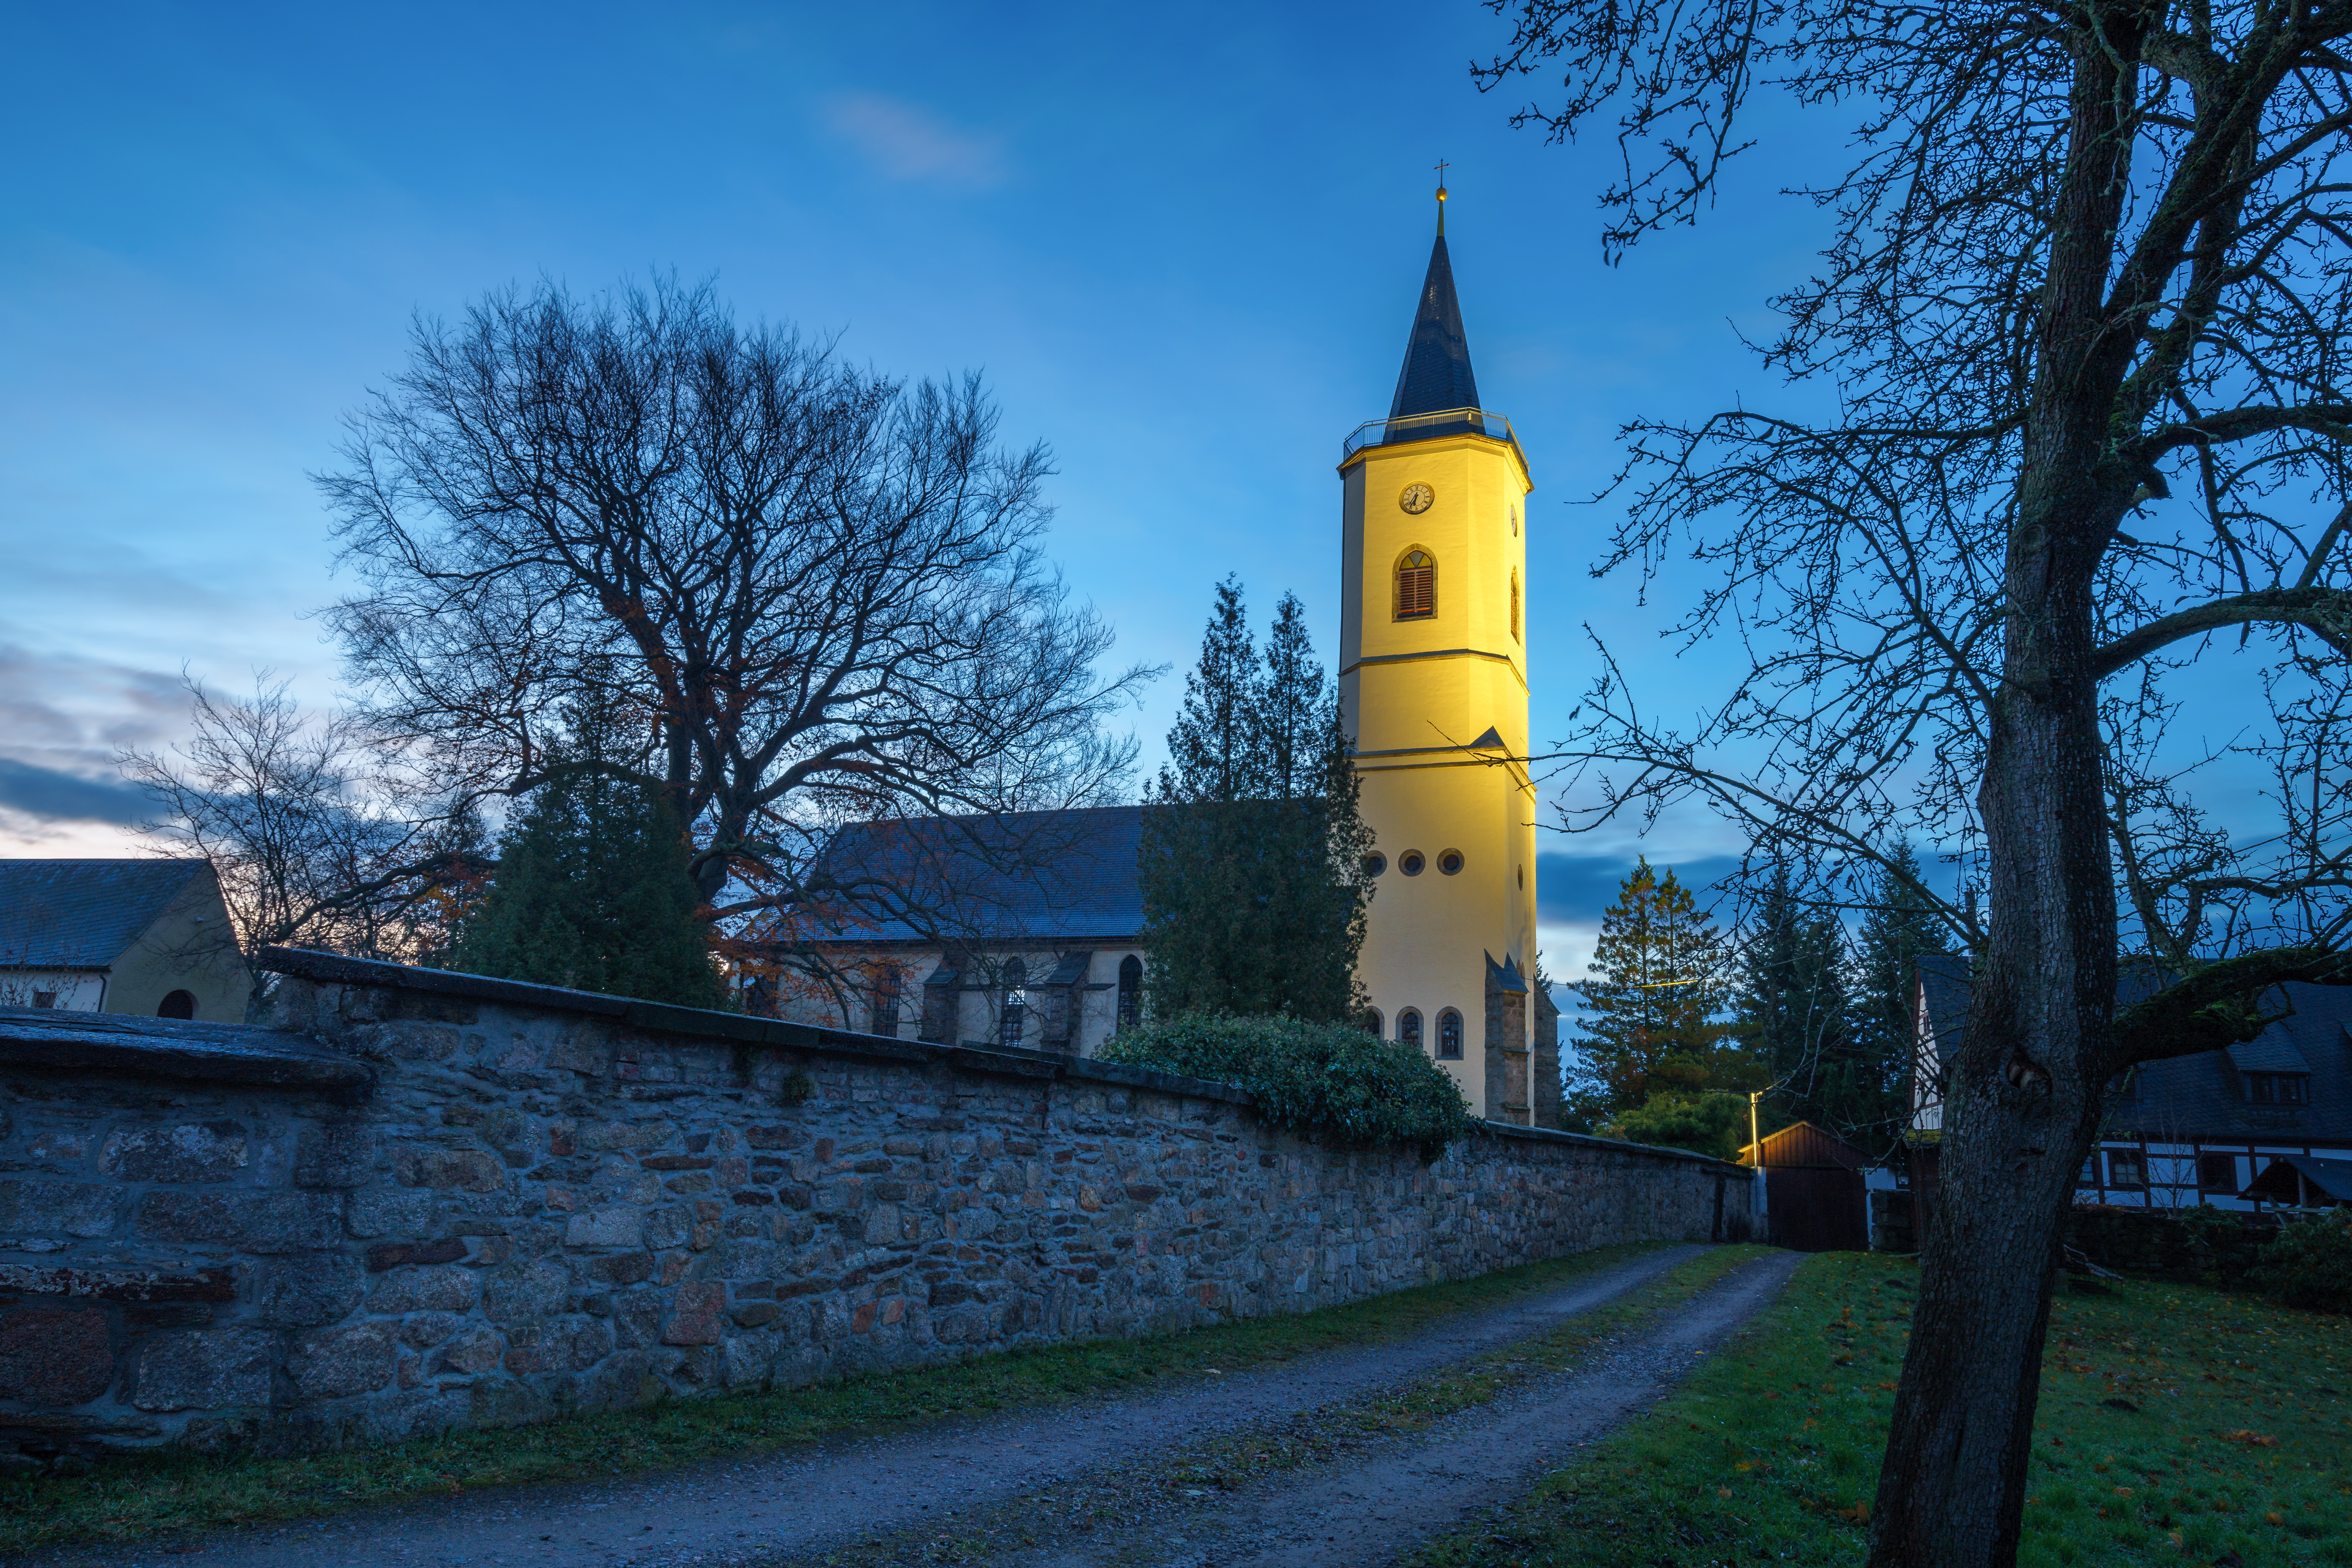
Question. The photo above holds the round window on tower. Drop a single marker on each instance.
(1410, 863)
(1375, 863)
(1450, 862)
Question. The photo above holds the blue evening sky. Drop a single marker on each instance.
(1182, 243)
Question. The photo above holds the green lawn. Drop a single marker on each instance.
(133, 1497)
(2177, 1425)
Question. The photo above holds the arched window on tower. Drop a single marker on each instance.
(1515, 606)
(1417, 586)
(1015, 1012)
(1409, 1028)
(1130, 991)
(1449, 1035)
(886, 999)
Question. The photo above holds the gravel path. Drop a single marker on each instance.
(836, 1494)
(1367, 1509)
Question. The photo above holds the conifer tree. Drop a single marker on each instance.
(1899, 930)
(1795, 1015)
(1292, 710)
(1252, 871)
(592, 889)
(1652, 1000)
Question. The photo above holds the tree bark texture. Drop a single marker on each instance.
(2022, 1100)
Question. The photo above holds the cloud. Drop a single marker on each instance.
(62, 719)
(47, 792)
(50, 700)
(906, 141)
(1572, 890)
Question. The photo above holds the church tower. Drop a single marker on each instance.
(1433, 689)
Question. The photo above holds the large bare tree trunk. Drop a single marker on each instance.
(2021, 1107)
(2021, 1101)
(2085, 253)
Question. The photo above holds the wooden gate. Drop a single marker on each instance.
(1817, 1208)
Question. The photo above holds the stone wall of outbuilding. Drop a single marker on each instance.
(419, 1201)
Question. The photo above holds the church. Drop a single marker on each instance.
(1028, 930)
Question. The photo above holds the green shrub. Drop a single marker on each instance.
(1331, 1081)
(1711, 1123)
(2310, 1263)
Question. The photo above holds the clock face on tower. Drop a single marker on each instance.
(1416, 499)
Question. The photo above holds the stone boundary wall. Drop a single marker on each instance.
(416, 1201)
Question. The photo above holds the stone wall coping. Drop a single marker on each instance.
(174, 1047)
(1549, 1135)
(1004, 1061)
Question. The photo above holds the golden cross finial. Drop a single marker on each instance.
(1441, 167)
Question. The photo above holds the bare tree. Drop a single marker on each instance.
(823, 586)
(316, 840)
(2082, 317)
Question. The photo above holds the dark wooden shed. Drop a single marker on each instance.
(1813, 1192)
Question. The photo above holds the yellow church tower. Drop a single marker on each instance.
(1433, 689)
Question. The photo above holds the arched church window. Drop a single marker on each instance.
(178, 1005)
(1130, 991)
(1449, 1035)
(886, 999)
(1515, 606)
(1409, 1028)
(1015, 1011)
(1372, 1022)
(1417, 586)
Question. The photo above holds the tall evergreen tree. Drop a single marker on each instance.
(1292, 710)
(1899, 930)
(1252, 871)
(1653, 1000)
(1212, 750)
(592, 888)
(1795, 1013)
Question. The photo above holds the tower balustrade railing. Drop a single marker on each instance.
(1423, 427)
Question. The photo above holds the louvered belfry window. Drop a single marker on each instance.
(1416, 593)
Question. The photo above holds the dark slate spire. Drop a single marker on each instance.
(1436, 374)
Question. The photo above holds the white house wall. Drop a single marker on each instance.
(76, 991)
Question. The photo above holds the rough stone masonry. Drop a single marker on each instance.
(417, 1200)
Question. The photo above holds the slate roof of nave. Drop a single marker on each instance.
(1039, 876)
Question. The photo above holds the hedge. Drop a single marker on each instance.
(1329, 1081)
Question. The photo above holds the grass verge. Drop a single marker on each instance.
(135, 1496)
(2177, 1425)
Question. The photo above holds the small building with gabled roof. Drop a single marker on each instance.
(147, 936)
